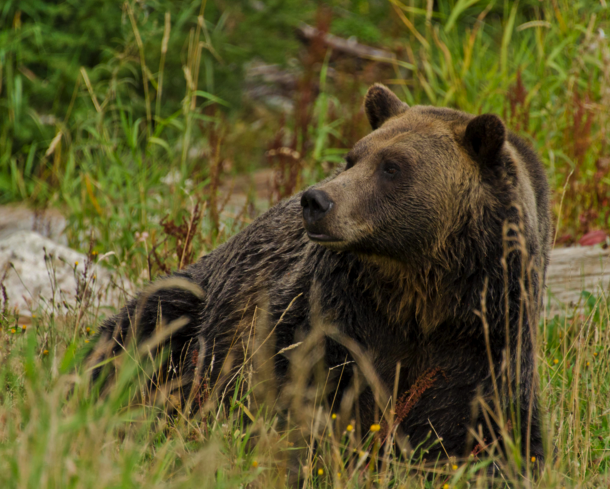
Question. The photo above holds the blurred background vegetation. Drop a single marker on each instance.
(122, 113)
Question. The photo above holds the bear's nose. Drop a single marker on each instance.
(315, 203)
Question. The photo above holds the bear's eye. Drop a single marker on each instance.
(350, 161)
(390, 169)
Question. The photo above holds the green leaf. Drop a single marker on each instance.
(162, 143)
(209, 96)
(457, 11)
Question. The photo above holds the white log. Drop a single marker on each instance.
(576, 269)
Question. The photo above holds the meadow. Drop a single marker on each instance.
(133, 119)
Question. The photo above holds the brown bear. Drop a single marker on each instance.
(426, 253)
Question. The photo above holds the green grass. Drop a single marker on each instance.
(57, 432)
(126, 113)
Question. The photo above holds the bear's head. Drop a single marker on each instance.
(423, 175)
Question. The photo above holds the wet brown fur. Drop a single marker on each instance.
(419, 284)
(414, 256)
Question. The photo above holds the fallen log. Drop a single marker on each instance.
(574, 270)
(350, 46)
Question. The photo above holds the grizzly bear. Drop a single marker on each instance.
(426, 253)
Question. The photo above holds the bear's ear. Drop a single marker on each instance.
(485, 136)
(380, 104)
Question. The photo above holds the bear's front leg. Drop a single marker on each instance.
(445, 416)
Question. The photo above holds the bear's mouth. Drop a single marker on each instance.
(322, 238)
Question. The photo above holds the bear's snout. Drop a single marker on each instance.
(316, 204)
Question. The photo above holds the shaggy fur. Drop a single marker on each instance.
(428, 249)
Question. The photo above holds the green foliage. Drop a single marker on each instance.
(58, 431)
(93, 85)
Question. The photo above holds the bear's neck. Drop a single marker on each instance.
(456, 288)
(424, 293)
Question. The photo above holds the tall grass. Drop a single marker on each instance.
(58, 431)
(544, 68)
(150, 108)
